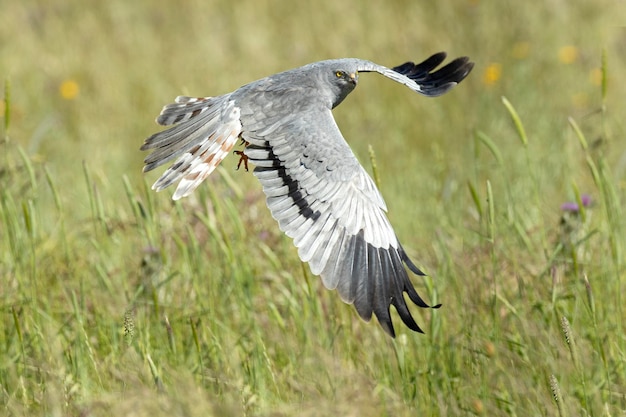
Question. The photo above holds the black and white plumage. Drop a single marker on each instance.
(316, 189)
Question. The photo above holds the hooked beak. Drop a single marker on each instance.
(354, 77)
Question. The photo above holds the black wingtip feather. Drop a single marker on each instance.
(409, 263)
(435, 83)
(375, 279)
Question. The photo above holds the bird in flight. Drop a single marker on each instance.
(315, 188)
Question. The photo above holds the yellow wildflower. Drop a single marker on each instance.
(568, 54)
(69, 89)
(595, 76)
(492, 73)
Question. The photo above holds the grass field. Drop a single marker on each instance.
(116, 301)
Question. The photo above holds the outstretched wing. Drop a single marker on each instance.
(205, 130)
(323, 199)
(421, 77)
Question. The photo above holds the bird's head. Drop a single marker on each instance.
(346, 77)
(343, 77)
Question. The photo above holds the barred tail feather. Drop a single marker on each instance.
(204, 132)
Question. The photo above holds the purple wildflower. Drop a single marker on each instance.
(572, 207)
(150, 250)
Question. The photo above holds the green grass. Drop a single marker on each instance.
(114, 300)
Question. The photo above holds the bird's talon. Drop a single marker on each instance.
(242, 158)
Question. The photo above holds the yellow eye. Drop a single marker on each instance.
(339, 74)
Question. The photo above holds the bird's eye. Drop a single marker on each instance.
(339, 74)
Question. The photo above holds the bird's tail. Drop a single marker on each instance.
(205, 130)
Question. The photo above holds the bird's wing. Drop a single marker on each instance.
(205, 130)
(324, 199)
(422, 78)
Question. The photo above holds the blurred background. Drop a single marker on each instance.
(88, 79)
(112, 293)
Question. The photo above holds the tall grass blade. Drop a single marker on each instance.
(475, 199)
(556, 395)
(519, 127)
(156, 377)
(492, 213)
(29, 169)
(372, 155)
(490, 144)
(579, 133)
(7, 108)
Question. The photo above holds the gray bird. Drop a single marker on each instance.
(316, 189)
